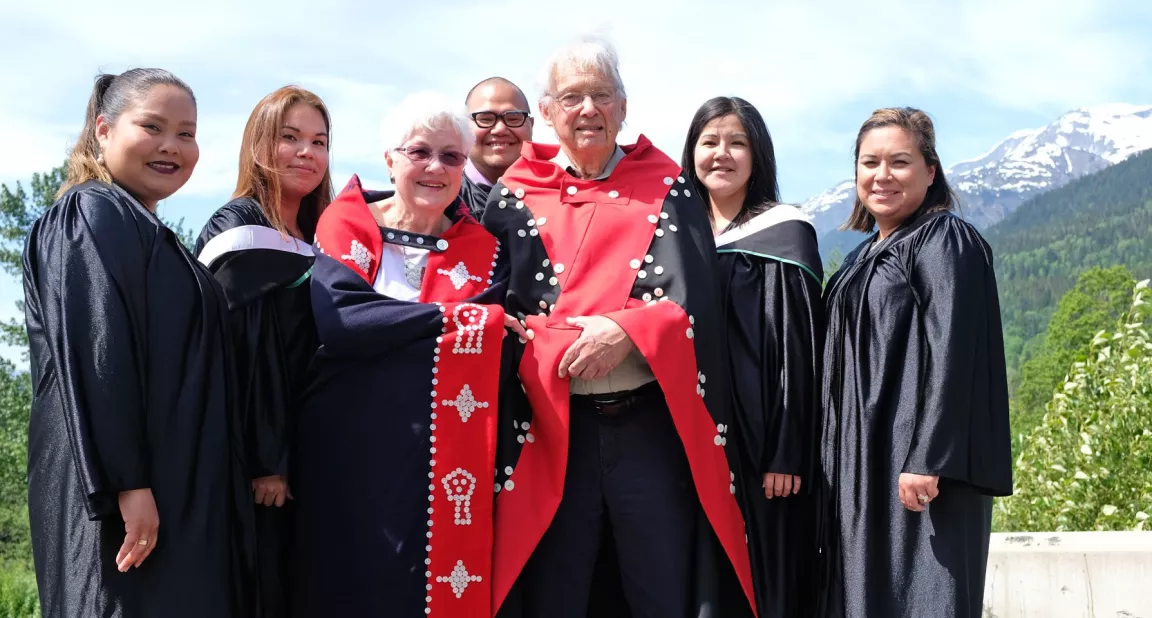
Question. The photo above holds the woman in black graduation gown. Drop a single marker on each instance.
(259, 246)
(916, 438)
(770, 274)
(135, 501)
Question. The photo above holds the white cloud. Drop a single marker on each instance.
(805, 65)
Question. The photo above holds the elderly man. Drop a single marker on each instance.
(501, 122)
(623, 420)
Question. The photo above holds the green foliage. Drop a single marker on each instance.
(1099, 220)
(1099, 298)
(1088, 464)
(18, 595)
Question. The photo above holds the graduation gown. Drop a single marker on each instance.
(265, 281)
(397, 439)
(475, 196)
(128, 345)
(770, 279)
(623, 248)
(914, 381)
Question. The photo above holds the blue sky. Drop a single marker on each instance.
(982, 68)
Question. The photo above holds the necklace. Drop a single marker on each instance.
(413, 272)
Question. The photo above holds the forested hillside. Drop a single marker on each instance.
(1100, 220)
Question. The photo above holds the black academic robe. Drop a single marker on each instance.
(396, 448)
(475, 196)
(637, 249)
(265, 281)
(770, 278)
(914, 381)
(129, 358)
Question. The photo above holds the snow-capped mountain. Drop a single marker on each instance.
(1024, 164)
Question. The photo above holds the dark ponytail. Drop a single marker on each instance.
(111, 95)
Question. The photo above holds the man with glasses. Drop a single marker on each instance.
(624, 414)
(502, 123)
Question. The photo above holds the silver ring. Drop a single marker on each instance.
(923, 498)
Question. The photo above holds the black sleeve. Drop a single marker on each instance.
(793, 346)
(85, 267)
(961, 430)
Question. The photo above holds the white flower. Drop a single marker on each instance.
(1108, 510)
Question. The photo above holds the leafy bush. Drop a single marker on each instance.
(1088, 465)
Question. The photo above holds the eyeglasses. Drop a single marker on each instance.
(572, 100)
(420, 154)
(512, 118)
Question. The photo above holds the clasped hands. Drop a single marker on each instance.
(601, 346)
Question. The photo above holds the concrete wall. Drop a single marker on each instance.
(1070, 574)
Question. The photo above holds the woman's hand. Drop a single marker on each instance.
(510, 322)
(141, 527)
(271, 490)
(917, 490)
(780, 485)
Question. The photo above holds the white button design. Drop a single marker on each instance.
(459, 275)
(460, 485)
(542, 221)
(634, 264)
(503, 203)
(613, 194)
(559, 268)
(520, 194)
(465, 403)
(459, 579)
(521, 233)
(442, 244)
(359, 255)
(653, 218)
(472, 333)
(571, 190)
(668, 180)
(659, 270)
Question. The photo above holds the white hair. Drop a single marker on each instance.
(426, 111)
(589, 53)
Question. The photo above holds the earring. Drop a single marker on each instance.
(100, 159)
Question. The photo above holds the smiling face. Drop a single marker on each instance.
(497, 147)
(423, 179)
(151, 149)
(302, 151)
(723, 158)
(586, 111)
(892, 176)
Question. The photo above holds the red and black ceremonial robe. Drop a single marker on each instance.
(636, 248)
(394, 472)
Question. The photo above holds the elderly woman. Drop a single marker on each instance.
(916, 438)
(396, 442)
(628, 428)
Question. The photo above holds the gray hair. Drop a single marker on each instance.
(425, 111)
(111, 95)
(590, 53)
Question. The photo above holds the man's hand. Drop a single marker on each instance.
(600, 348)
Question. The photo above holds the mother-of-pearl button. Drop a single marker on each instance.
(559, 268)
(613, 194)
(519, 193)
(668, 180)
(652, 219)
(571, 190)
(634, 263)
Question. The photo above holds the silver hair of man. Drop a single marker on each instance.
(426, 112)
(591, 53)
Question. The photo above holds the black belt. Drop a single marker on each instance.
(615, 404)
